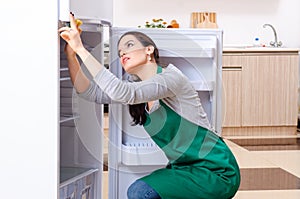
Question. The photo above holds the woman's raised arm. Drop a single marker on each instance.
(72, 36)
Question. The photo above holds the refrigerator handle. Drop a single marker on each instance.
(107, 23)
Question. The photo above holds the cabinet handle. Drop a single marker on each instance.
(232, 68)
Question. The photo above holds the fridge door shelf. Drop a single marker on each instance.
(66, 82)
(67, 118)
(186, 52)
(143, 154)
(77, 182)
(68, 192)
(64, 79)
(88, 24)
(71, 174)
(185, 43)
(203, 86)
(64, 72)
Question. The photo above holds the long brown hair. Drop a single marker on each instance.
(137, 111)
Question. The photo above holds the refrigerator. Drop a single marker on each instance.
(131, 152)
(198, 54)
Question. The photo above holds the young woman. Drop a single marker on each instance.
(200, 164)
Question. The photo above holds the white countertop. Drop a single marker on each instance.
(245, 48)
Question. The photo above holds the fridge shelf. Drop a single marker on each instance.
(143, 154)
(64, 79)
(187, 52)
(88, 24)
(203, 86)
(63, 69)
(66, 118)
(69, 175)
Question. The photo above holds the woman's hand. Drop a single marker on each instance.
(72, 36)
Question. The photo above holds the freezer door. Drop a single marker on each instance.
(88, 9)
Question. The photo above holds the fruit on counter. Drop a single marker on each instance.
(173, 24)
(160, 23)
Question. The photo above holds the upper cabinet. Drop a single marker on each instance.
(88, 9)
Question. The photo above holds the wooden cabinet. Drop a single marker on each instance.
(260, 93)
(270, 90)
(232, 91)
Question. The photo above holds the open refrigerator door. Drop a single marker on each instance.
(81, 127)
(81, 122)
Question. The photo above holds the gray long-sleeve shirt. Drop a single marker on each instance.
(171, 86)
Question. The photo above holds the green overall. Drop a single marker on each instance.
(200, 163)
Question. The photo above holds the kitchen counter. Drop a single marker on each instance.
(249, 49)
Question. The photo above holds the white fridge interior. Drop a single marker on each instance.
(198, 54)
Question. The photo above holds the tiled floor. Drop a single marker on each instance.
(267, 172)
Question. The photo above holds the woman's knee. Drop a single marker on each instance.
(132, 190)
(141, 190)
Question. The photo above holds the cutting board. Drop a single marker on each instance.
(203, 20)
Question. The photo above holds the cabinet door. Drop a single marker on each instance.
(269, 90)
(232, 91)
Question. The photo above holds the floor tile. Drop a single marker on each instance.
(269, 194)
(287, 160)
(247, 159)
(268, 179)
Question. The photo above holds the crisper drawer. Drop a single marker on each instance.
(143, 154)
(137, 147)
(68, 192)
(77, 183)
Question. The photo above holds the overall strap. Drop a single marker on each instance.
(159, 69)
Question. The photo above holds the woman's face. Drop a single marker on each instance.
(132, 54)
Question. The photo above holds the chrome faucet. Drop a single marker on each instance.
(273, 43)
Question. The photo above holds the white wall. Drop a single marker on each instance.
(29, 99)
(241, 20)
